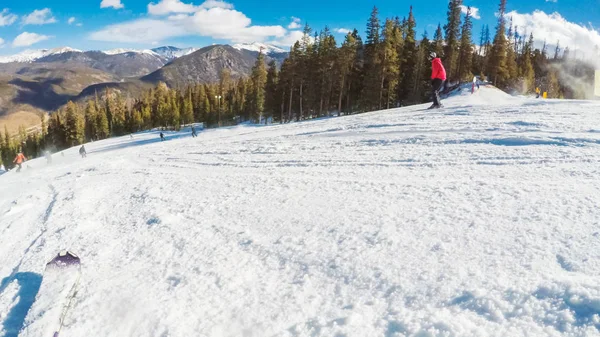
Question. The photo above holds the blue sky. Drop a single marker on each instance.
(107, 24)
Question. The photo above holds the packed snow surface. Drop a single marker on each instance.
(481, 219)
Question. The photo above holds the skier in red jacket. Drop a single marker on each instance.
(438, 76)
(19, 159)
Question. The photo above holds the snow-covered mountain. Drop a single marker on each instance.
(257, 46)
(33, 55)
(171, 53)
(477, 220)
(167, 52)
(124, 51)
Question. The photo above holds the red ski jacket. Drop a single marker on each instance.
(437, 69)
(19, 159)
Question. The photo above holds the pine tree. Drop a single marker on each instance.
(438, 42)
(73, 125)
(272, 96)
(497, 63)
(108, 110)
(302, 67)
(102, 125)
(511, 59)
(466, 48)
(452, 29)
(285, 88)
(423, 70)
(409, 59)
(187, 112)
(390, 63)
(345, 61)
(90, 120)
(259, 79)
(372, 74)
(527, 71)
(357, 75)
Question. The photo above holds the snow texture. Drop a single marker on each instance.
(480, 219)
(59, 284)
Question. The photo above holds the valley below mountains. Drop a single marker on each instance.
(41, 81)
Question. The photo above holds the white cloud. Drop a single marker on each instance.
(295, 24)
(165, 7)
(553, 27)
(116, 4)
(27, 39)
(71, 20)
(342, 30)
(474, 11)
(140, 31)
(1, 42)
(7, 19)
(215, 19)
(79, 24)
(555, 1)
(216, 4)
(39, 17)
(170, 6)
(289, 39)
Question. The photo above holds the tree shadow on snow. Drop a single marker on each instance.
(29, 285)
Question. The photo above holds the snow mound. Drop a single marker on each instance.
(473, 220)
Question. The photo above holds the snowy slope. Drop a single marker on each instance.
(477, 220)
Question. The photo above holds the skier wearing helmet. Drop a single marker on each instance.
(438, 76)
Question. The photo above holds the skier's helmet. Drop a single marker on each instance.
(432, 55)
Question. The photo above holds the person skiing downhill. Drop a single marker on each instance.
(162, 137)
(82, 151)
(194, 134)
(438, 76)
(19, 159)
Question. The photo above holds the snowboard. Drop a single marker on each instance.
(50, 308)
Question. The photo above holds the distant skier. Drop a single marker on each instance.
(438, 76)
(162, 137)
(48, 156)
(19, 160)
(194, 134)
(82, 151)
(538, 92)
(131, 136)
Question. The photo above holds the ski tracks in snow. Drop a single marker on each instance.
(476, 220)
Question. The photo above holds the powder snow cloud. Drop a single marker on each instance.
(213, 18)
(554, 27)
